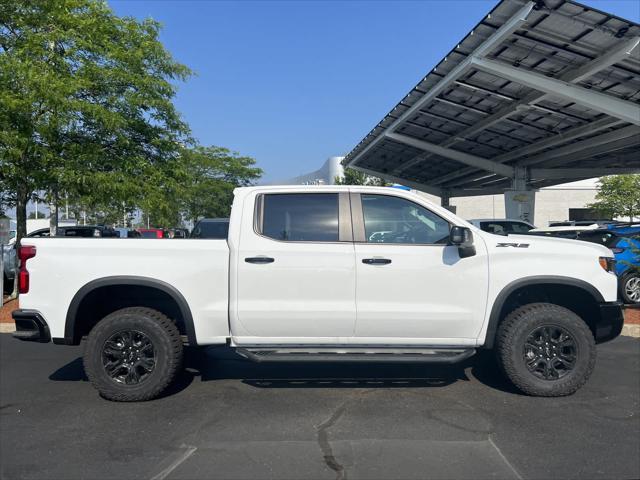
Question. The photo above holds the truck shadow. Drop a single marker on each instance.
(224, 364)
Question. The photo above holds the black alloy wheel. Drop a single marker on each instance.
(128, 357)
(550, 352)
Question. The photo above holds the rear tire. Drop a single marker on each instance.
(546, 350)
(133, 354)
(630, 288)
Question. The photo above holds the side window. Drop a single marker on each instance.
(306, 217)
(396, 220)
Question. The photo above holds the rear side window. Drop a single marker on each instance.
(216, 230)
(307, 217)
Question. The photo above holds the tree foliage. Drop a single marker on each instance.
(619, 196)
(86, 104)
(211, 174)
(355, 177)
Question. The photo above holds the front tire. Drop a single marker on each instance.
(546, 350)
(133, 354)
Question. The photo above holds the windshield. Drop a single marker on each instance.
(505, 227)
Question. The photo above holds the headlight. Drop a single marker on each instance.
(608, 263)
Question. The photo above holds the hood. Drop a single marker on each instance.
(547, 243)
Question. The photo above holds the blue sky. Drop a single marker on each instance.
(291, 83)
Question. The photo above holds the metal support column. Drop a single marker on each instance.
(519, 202)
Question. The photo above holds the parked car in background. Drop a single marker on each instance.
(39, 233)
(10, 258)
(502, 226)
(127, 232)
(211, 228)
(625, 244)
(151, 232)
(8, 267)
(562, 232)
(176, 233)
(581, 223)
(86, 231)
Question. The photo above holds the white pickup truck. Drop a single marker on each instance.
(323, 274)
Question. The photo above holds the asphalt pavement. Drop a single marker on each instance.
(232, 419)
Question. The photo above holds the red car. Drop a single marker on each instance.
(151, 232)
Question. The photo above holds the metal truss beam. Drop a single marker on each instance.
(461, 157)
(403, 181)
(588, 144)
(549, 142)
(601, 102)
(555, 173)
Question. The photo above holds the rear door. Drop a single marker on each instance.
(411, 284)
(295, 270)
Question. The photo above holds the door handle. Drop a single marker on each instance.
(376, 261)
(259, 260)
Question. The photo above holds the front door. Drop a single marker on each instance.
(411, 285)
(296, 270)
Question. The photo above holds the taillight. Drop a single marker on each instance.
(25, 252)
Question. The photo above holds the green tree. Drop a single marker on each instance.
(32, 215)
(209, 175)
(86, 104)
(618, 196)
(355, 177)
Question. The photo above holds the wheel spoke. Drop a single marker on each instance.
(533, 363)
(132, 376)
(113, 367)
(113, 352)
(147, 363)
(532, 346)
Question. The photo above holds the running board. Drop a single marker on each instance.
(355, 354)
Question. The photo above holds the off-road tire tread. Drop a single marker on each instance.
(507, 361)
(171, 339)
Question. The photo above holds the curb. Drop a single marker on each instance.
(7, 327)
(631, 330)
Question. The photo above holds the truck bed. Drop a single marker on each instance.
(198, 269)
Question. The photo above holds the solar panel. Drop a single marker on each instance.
(544, 91)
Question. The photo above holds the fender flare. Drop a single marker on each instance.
(70, 338)
(494, 318)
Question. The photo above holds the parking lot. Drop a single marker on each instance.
(228, 418)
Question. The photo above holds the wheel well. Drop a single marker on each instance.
(579, 300)
(103, 300)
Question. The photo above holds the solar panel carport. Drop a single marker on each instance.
(538, 93)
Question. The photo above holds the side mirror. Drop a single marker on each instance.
(463, 238)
